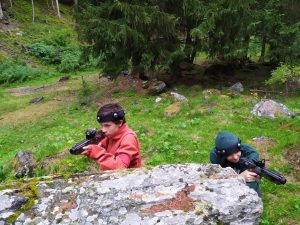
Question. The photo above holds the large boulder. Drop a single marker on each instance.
(169, 194)
(271, 109)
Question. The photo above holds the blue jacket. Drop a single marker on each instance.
(247, 152)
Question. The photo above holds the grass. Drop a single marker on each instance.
(187, 137)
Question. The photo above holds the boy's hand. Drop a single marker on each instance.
(249, 176)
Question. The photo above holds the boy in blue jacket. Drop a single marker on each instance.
(227, 153)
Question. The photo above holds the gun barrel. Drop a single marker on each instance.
(77, 149)
(273, 176)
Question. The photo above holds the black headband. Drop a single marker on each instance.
(229, 150)
(115, 116)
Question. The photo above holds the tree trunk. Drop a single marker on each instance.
(10, 2)
(188, 49)
(75, 2)
(136, 65)
(246, 48)
(52, 4)
(263, 49)
(32, 3)
(1, 12)
(57, 8)
(48, 4)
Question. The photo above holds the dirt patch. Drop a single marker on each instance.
(263, 145)
(292, 158)
(58, 86)
(32, 112)
(29, 90)
(180, 202)
(7, 27)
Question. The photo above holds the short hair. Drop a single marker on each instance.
(111, 109)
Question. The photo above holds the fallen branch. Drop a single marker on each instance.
(265, 91)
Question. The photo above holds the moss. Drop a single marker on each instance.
(30, 191)
(59, 220)
(66, 175)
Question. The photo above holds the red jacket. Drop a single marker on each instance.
(120, 151)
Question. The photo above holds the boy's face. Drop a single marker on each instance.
(234, 157)
(110, 128)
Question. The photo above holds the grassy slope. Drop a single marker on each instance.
(187, 137)
(46, 28)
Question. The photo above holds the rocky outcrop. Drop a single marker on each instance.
(168, 194)
(271, 109)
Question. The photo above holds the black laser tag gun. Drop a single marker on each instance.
(258, 167)
(92, 136)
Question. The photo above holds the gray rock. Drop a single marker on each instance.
(237, 87)
(168, 194)
(145, 84)
(10, 203)
(179, 97)
(271, 109)
(260, 138)
(158, 100)
(64, 78)
(37, 99)
(24, 164)
(158, 88)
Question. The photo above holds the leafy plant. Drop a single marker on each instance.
(2, 173)
(12, 71)
(285, 75)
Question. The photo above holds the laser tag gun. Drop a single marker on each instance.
(92, 135)
(258, 167)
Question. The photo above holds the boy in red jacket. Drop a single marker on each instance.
(120, 147)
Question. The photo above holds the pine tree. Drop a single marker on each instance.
(127, 33)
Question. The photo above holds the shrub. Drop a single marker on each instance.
(49, 54)
(70, 61)
(12, 71)
(287, 76)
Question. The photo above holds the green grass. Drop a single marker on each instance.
(188, 137)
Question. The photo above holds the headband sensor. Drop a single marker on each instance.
(224, 152)
(115, 116)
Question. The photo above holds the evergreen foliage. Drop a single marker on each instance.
(151, 35)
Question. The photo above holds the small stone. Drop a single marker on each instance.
(158, 88)
(145, 84)
(179, 97)
(37, 99)
(237, 87)
(158, 99)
